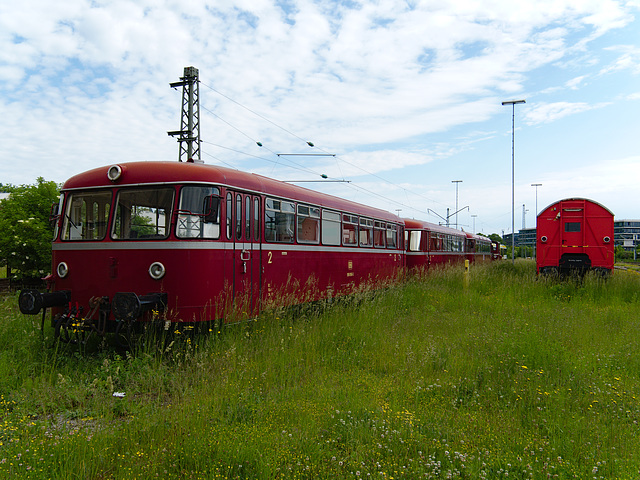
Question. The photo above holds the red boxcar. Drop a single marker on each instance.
(199, 242)
(575, 234)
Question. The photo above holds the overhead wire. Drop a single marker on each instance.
(300, 167)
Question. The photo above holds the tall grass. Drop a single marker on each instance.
(512, 377)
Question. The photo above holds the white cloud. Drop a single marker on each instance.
(550, 112)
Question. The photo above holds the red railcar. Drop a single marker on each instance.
(198, 241)
(478, 248)
(575, 234)
(429, 244)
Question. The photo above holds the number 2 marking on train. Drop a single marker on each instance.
(270, 255)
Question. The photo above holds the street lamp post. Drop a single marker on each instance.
(536, 185)
(456, 182)
(513, 116)
(535, 244)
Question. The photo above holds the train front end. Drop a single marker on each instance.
(120, 253)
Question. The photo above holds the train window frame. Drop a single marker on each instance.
(247, 218)
(392, 235)
(79, 220)
(349, 230)
(122, 228)
(256, 218)
(238, 218)
(331, 227)
(308, 224)
(191, 217)
(279, 220)
(365, 234)
(379, 234)
(229, 215)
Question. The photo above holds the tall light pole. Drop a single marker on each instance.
(513, 213)
(474, 223)
(535, 244)
(456, 182)
(536, 185)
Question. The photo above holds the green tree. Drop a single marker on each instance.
(25, 231)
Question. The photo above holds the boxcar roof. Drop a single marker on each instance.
(153, 172)
(581, 199)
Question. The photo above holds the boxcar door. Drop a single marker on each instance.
(246, 253)
(573, 227)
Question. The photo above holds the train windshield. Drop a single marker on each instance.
(86, 215)
(143, 213)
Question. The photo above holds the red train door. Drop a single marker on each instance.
(246, 253)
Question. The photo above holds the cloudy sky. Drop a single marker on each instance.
(406, 94)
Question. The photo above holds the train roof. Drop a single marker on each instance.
(157, 172)
(581, 199)
(411, 223)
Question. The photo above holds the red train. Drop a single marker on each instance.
(199, 242)
(430, 245)
(574, 235)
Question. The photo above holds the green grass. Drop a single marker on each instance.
(512, 377)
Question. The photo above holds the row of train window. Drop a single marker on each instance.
(145, 213)
(423, 241)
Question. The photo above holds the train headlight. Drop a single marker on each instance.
(62, 269)
(114, 172)
(543, 239)
(607, 239)
(157, 270)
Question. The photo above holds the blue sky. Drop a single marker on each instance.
(406, 94)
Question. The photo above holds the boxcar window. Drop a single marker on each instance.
(195, 203)
(330, 228)
(349, 230)
(308, 224)
(572, 226)
(366, 232)
(279, 220)
(143, 213)
(392, 235)
(86, 216)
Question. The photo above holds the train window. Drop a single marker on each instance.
(256, 219)
(571, 226)
(392, 235)
(247, 216)
(308, 224)
(378, 234)
(143, 213)
(330, 228)
(366, 232)
(198, 216)
(279, 220)
(415, 237)
(229, 213)
(349, 230)
(238, 216)
(86, 216)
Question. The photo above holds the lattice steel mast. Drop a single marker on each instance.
(189, 133)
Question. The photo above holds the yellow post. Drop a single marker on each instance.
(466, 274)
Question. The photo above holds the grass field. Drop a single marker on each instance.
(511, 377)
